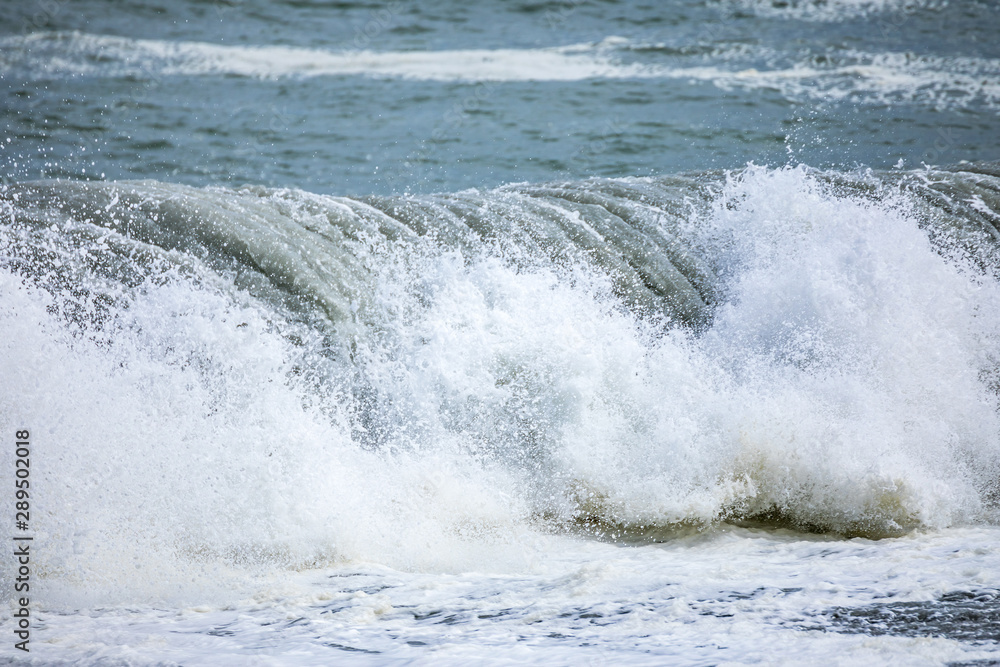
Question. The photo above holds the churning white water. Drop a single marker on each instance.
(501, 425)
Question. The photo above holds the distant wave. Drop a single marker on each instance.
(61, 54)
(881, 78)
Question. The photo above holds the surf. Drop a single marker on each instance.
(239, 381)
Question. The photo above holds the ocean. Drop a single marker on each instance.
(538, 332)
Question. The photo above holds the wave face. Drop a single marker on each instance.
(230, 380)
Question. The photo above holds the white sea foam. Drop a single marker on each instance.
(171, 457)
(196, 446)
(61, 54)
(882, 78)
(738, 597)
(891, 14)
(843, 384)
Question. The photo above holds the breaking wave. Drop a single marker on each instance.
(224, 380)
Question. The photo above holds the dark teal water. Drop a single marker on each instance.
(838, 84)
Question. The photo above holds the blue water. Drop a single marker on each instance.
(855, 83)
